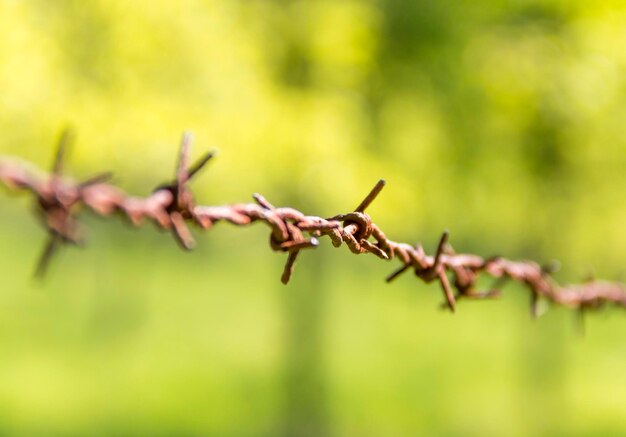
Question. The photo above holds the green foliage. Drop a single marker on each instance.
(502, 121)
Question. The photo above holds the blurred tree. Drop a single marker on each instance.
(500, 120)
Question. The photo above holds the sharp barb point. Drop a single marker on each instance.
(199, 165)
(46, 256)
(61, 150)
(289, 266)
(371, 196)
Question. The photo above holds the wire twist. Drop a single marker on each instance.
(172, 207)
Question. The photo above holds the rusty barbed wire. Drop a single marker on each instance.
(172, 207)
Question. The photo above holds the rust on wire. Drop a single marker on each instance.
(172, 207)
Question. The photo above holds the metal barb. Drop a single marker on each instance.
(53, 209)
(447, 291)
(440, 248)
(534, 305)
(48, 251)
(182, 174)
(398, 272)
(65, 140)
(97, 179)
(371, 196)
(200, 163)
(289, 266)
(182, 206)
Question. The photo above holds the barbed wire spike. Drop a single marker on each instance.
(172, 207)
(50, 247)
(437, 271)
(285, 236)
(64, 142)
(371, 196)
(55, 219)
(182, 204)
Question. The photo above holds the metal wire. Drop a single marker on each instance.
(172, 207)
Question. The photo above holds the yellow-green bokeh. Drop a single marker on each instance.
(502, 121)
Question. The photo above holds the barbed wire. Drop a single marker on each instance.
(172, 207)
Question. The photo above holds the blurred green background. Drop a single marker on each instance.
(503, 121)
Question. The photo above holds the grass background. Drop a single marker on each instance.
(500, 120)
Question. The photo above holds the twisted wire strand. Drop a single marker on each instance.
(172, 207)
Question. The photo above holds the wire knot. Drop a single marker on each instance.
(357, 223)
(285, 236)
(358, 227)
(56, 199)
(182, 204)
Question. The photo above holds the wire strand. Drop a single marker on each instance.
(172, 207)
